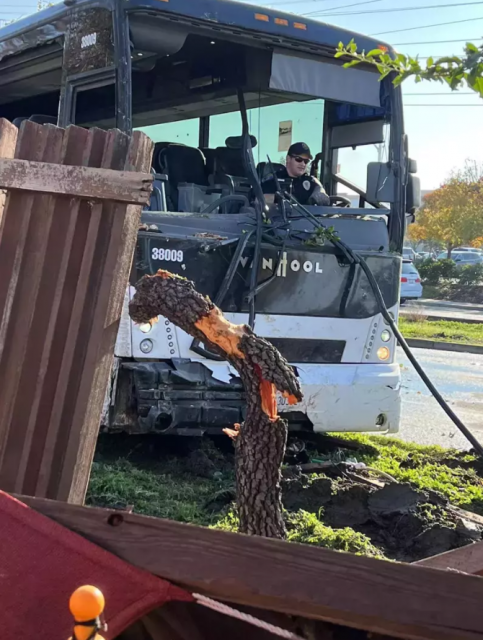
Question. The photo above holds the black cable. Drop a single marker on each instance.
(407, 44)
(439, 398)
(321, 12)
(425, 26)
(392, 10)
(357, 259)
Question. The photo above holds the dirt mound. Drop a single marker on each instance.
(405, 523)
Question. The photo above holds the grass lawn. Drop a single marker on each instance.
(442, 331)
(164, 483)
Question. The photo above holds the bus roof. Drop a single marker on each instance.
(229, 13)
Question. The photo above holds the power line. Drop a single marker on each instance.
(457, 106)
(448, 95)
(355, 4)
(407, 44)
(434, 6)
(425, 26)
(279, 4)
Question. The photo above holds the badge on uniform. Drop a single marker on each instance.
(306, 184)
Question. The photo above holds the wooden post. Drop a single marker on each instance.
(63, 274)
(8, 140)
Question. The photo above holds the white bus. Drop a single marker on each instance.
(219, 86)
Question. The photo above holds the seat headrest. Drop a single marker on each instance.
(235, 142)
(263, 170)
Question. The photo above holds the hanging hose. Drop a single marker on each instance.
(356, 259)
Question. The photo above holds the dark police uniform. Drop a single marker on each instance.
(305, 189)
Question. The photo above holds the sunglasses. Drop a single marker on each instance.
(300, 159)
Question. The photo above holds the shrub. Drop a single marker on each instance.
(434, 272)
(472, 274)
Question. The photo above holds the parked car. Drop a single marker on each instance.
(426, 255)
(409, 254)
(465, 258)
(480, 251)
(411, 287)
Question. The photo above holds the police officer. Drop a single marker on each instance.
(305, 188)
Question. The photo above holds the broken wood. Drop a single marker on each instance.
(467, 559)
(81, 182)
(400, 600)
(260, 441)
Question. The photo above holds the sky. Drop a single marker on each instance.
(444, 128)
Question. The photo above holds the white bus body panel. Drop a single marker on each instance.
(359, 394)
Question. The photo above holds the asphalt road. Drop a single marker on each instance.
(443, 308)
(459, 378)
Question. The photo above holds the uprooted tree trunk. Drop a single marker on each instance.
(260, 441)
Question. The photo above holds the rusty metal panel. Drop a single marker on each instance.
(64, 265)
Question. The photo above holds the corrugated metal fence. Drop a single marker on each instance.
(67, 237)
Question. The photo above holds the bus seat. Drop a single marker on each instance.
(229, 159)
(263, 170)
(183, 165)
(210, 155)
(158, 148)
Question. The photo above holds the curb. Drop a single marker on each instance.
(435, 318)
(438, 303)
(417, 343)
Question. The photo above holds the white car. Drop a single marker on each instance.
(472, 249)
(409, 254)
(411, 287)
(466, 258)
(462, 257)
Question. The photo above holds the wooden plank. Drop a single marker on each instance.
(467, 559)
(8, 140)
(399, 600)
(82, 182)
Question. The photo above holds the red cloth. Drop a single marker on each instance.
(42, 563)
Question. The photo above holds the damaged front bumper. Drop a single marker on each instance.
(185, 397)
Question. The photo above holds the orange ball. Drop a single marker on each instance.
(86, 603)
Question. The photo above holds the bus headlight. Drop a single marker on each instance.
(146, 346)
(385, 335)
(146, 327)
(383, 353)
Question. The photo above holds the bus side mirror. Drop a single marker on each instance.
(412, 166)
(413, 194)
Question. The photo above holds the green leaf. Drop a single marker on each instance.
(397, 81)
(352, 46)
(471, 48)
(478, 86)
(352, 63)
(373, 53)
(429, 62)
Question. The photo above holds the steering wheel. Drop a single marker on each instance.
(340, 201)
